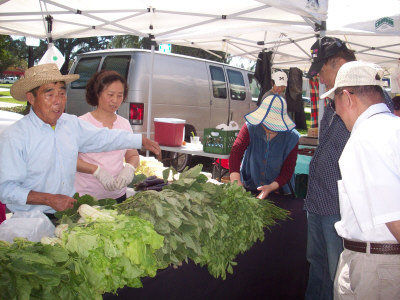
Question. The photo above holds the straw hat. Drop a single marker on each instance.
(356, 73)
(272, 113)
(37, 76)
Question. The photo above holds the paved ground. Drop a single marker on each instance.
(7, 104)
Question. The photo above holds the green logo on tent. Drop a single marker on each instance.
(55, 58)
(384, 24)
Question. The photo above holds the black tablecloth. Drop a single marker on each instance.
(273, 269)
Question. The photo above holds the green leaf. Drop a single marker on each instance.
(176, 222)
(137, 179)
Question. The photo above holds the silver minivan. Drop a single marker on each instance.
(202, 92)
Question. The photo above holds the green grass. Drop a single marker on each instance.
(308, 122)
(6, 97)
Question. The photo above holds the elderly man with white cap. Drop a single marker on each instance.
(38, 153)
(369, 266)
(279, 81)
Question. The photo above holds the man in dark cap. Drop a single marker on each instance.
(322, 201)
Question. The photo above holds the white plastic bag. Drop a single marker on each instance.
(232, 126)
(32, 225)
(222, 127)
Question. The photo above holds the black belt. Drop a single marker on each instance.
(375, 248)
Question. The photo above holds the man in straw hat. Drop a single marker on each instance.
(38, 153)
(369, 266)
(264, 154)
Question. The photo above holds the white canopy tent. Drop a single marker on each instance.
(230, 23)
(240, 28)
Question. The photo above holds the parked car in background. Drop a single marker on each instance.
(307, 101)
(8, 79)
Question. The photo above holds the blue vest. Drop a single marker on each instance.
(263, 159)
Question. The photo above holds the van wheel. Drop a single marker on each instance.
(176, 160)
(179, 161)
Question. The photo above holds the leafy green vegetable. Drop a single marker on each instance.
(137, 179)
(31, 270)
(114, 253)
(210, 224)
(70, 216)
(241, 222)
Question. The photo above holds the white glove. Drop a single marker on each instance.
(125, 177)
(105, 178)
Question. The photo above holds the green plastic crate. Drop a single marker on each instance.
(218, 141)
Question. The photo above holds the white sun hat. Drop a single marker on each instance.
(272, 113)
(356, 73)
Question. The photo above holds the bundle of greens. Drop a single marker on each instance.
(207, 223)
(241, 222)
(115, 250)
(180, 212)
(31, 270)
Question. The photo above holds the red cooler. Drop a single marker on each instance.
(169, 131)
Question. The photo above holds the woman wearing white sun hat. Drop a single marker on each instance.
(265, 149)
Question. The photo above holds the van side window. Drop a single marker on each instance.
(86, 68)
(254, 87)
(117, 63)
(218, 82)
(237, 87)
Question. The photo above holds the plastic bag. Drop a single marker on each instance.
(232, 126)
(32, 225)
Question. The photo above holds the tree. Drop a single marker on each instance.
(200, 53)
(10, 53)
(132, 41)
(125, 41)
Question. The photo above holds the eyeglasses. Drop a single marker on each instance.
(339, 92)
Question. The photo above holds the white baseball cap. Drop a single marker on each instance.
(356, 73)
(280, 78)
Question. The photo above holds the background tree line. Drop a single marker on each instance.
(14, 52)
